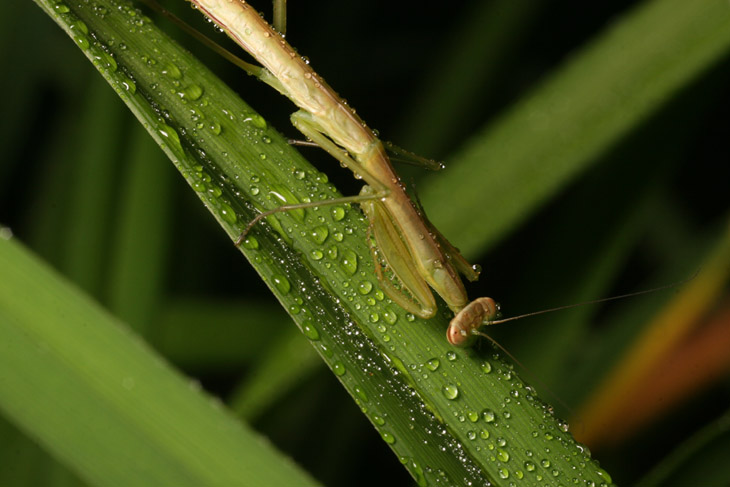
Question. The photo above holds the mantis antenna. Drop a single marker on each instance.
(483, 311)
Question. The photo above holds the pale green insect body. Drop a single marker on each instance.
(289, 72)
(415, 253)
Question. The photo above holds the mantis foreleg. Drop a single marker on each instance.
(301, 120)
(406, 287)
(279, 22)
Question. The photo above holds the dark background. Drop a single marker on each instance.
(380, 55)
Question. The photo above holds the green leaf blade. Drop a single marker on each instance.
(103, 403)
(451, 416)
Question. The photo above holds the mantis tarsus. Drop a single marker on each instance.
(416, 255)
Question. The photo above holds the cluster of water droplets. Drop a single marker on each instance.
(125, 69)
(99, 52)
(487, 429)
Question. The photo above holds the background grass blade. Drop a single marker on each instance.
(614, 84)
(698, 460)
(103, 403)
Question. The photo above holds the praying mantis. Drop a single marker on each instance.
(415, 255)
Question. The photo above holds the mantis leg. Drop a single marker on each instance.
(395, 153)
(300, 206)
(460, 263)
(302, 143)
(259, 72)
(398, 154)
(279, 22)
(301, 121)
(405, 286)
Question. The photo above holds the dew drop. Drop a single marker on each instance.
(257, 121)
(170, 136)
(488, 415)
(281, 283)
(389, 316)
(310, 331)
(338, 213)
(339, 369)
(251, 243)
(191, 92)
(82, 41)
(417, 472)
(486, 367)
(128, 84)
(433, 364)
(450, 391)
(105, 60)
(361, 394)
(320, 234)
(605, 475)
(215, 127)
(502, 455)
(365, 287)
(286, 197)
(172, 71)
(349, 261)
(451, 356)
(228, 214)
(79, 26)
(326, 351)
(388, 438)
